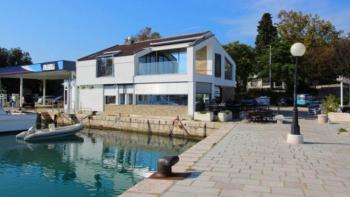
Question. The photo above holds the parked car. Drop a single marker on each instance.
(304, 99)
(248, 103)
(28, 101)
(314, 107)
(58, 101)
(48, 99)
(285, 101)
(263, 100)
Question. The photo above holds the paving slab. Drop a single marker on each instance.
(252, 159)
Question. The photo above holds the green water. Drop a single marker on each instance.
(98, 163)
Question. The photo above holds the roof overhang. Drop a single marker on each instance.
(48, 70)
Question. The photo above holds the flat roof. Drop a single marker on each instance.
(48, 70)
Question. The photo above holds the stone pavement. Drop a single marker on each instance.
(251, 159)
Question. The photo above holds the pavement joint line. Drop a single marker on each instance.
(258, 159)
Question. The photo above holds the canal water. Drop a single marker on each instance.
(98, 163)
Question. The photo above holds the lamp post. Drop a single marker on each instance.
(294, 137)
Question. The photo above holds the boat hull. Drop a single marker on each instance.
(51, 135)
(15, 123)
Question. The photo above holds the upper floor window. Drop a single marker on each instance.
(217, 65)
(163, 62)
(228, 70)
(201, 61)
(104, 66)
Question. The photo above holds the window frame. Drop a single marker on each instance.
(115, 99)
(201, 60)
(105, 59)
(217, 73)
(227, 62)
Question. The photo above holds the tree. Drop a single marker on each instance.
(145, 34)
(14, 57)
(319, 37)
(267, 33)
(267, 36)
(342, 56)
(244, 58)
(306, 28)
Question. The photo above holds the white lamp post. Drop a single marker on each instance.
(295, 137)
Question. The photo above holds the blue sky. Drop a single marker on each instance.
(70, 29)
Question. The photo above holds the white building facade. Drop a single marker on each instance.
(173, 71)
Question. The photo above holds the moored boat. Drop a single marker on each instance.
(34, 135)
(11, 122)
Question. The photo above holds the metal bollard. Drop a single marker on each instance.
(165, 164)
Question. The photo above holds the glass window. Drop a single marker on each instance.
(130, 98)
(163, 62)
(104, 66)
(217, 65)
(161, 99)
(121, 99)
(110, 99)
(228, 70)
(201, 61)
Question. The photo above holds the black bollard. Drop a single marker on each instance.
(165, 164)
(38, 121)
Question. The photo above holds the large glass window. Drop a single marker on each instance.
(161, 99)
(228, 70)
(130, 99)
(217, 65)
(201, 61)
(110, 99)
(163, 62)
(104, 66)
(121, 99)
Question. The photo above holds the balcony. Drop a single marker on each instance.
(157, 68)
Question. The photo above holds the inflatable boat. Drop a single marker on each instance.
(34, 135)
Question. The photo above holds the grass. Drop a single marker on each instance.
(342, 130)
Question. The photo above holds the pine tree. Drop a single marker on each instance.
(267, 33)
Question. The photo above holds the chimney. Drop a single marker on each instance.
(130, 40)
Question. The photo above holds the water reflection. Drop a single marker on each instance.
(99, 163)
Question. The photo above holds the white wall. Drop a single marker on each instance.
(162, 88)
(123, 72)
(215, 47)
(91, 99)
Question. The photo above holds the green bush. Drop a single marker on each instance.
(329, 104)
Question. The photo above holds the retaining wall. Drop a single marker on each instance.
(151, 125)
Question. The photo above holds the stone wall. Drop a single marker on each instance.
(195, 129)
(146, 110)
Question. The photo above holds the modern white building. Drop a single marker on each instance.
(172, 71)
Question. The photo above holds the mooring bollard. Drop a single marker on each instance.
(38, 121)
(165, 164)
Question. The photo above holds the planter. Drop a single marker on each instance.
(279, 119)
(207, 116)
(338, 117)
(322, 118)
(225, 116)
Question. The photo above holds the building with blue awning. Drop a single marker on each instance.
(53, 70)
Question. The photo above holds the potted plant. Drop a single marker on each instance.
(225, 116)
(203, 116)
(328, 105)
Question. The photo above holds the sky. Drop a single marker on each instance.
(69, 29)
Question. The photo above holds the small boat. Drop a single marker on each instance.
(34, 135)
(12, 122)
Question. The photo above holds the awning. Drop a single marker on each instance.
(48, 70)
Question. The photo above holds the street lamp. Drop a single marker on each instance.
(294, 137)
